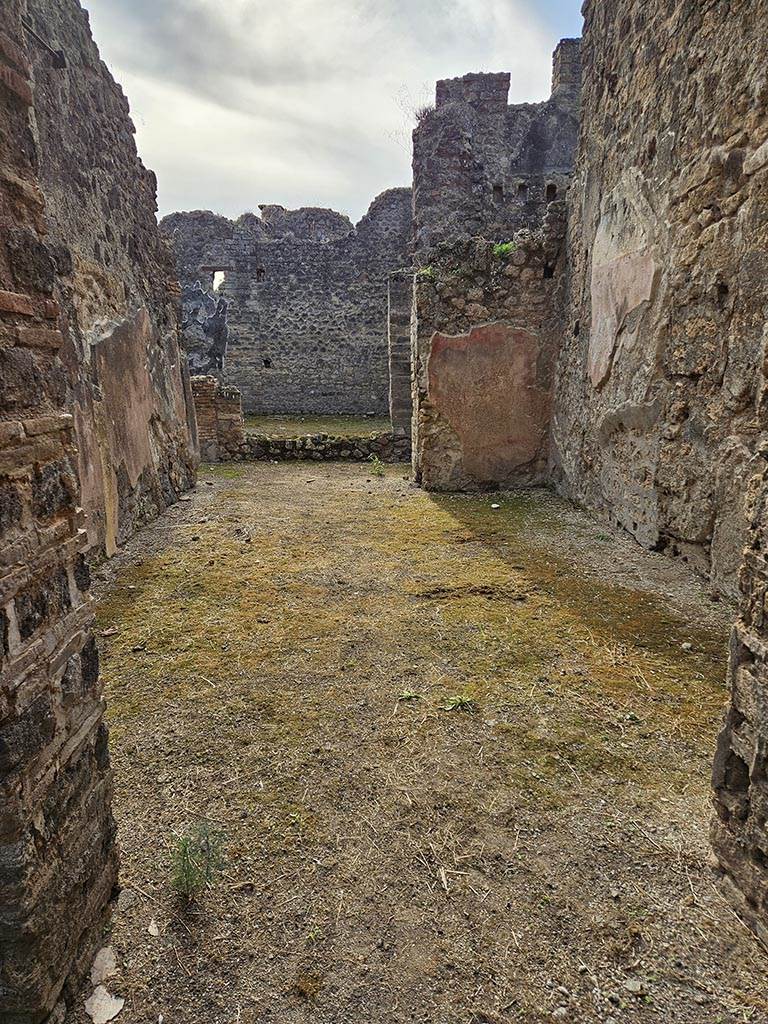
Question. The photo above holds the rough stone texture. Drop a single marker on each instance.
(220, 425)
(659, 377)
(483, 168)
(58, 858)
(307, 301)
(223, 437)
(115, 284)
(739, 777)
(400, 303)
(486, 330)
(484, 173)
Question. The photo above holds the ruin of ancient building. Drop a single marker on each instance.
(305, 296)
(564, 316)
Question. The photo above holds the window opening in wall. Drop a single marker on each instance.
(267, 364)
(549, 270)
(498, 194)
(218, 280)
(551, 193)
(260, 273)
(522, 191)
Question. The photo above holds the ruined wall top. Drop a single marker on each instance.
(312, 222)
(485, 91)
(483, 168)
(566, 67)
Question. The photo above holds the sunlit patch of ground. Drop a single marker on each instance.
(459, 757)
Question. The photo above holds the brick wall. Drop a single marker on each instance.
(58, 858)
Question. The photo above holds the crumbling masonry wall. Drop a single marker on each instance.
(486, 329)
(58, 857)
(115, 283)
(306, 302)
(483, 168)
(489, 188)
(660, 372)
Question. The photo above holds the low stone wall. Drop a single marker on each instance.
(222, 436)
(326, 448)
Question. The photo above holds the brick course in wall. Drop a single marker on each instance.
(58, 859)
(115, 284)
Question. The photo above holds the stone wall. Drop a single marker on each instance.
(306, 296)
(223, 437)
(659, 378)
(483, 168)
(399, 307)
(220, 425)
(58, 857)
(739, 777)
(486, 329)
(115, 283)
(489, 216)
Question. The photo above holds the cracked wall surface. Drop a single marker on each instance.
(659, 376)
(306, 298)
(58, 859)
(116, 285)
(489, 189)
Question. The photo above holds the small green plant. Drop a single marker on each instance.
(408, 695)
(458, 702)
(426, 272)
(197, 860)
(503, 249)
(377, 466)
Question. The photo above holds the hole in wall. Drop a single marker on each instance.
(549, 271)
(576, 329)
(260, 273)
(218, 280)
(522, 190)
(267, 364)
(498, 194)
(551, 193)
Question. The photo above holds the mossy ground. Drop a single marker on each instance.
(388, 860)
(300, 426)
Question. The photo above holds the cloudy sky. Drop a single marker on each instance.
(305, 102)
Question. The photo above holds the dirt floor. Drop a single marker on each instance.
(459, 757)
(300, 426)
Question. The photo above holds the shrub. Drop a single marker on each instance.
(197, 860)
(502, 249)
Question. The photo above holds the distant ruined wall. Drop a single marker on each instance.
(483, 168)
(58, 859)
(659, 381)
(116, 285)
(306, 297)
(489, 188)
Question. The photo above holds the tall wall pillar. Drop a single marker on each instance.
(58, 858)
(400, 300)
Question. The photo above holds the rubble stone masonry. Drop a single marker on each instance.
(115, 282)
(58, 858)
(489, 187)
(660, 376)
(306, 302)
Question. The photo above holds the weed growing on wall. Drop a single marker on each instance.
(503, 249)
